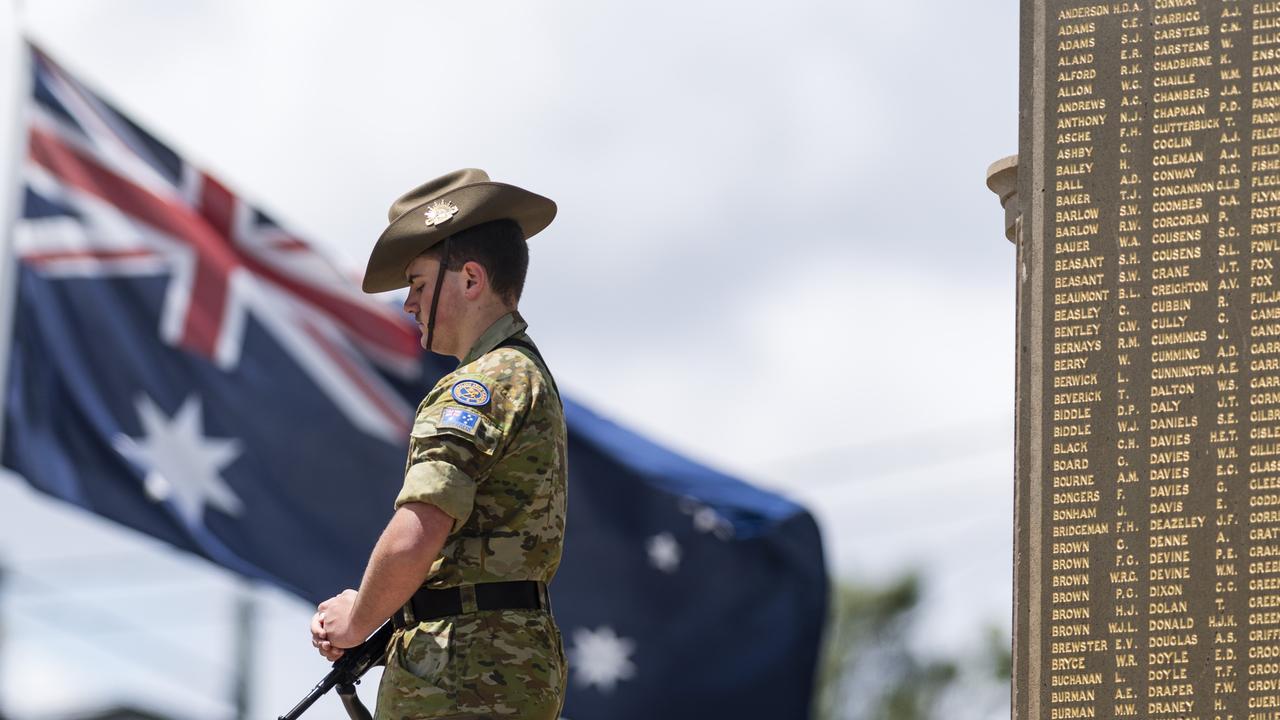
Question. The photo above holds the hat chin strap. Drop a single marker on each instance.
(435, 296)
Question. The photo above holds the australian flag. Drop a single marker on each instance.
(184, 365)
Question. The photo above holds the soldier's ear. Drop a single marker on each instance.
(475, 279)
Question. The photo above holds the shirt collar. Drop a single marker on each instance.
(504, 327)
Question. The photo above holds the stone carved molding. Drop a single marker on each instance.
(1002, 178)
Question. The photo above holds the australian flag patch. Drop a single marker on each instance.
(456, 417)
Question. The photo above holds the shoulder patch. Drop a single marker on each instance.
(456, 417)
(470, 392)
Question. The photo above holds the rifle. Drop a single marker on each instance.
(346, 674)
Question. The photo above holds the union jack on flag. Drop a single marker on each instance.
(195, 347)
(140, 210)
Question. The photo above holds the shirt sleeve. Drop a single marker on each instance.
(458, 435)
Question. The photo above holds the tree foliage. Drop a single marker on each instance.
(870, 671)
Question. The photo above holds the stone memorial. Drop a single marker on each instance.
(1145, 204)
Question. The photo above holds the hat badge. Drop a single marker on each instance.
(440, 211)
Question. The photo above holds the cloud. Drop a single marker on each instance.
(829, 352)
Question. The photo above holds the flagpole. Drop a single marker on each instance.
(3, 638)
(246, 635)
(10, 206)
(9, 211)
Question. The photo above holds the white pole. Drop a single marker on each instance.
(3, 638)
(246, 635)
(19, 59)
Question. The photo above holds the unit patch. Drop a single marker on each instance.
(464, 420)
(470, 392)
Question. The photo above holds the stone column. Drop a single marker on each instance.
(1002, 178)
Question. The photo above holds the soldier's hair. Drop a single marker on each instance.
(499, 247)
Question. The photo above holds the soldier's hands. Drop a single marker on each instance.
(320, 638)
(331, 627)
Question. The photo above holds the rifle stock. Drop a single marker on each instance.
(348, 670)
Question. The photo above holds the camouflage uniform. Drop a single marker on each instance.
(502, 478)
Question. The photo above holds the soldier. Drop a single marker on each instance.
(463, 565)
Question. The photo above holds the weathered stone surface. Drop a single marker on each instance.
(1148, 460)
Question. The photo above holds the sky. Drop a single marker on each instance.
(774, 212)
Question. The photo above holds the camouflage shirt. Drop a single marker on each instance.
(488, 449)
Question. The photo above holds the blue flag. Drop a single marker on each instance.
(684, 593)
(182, 364)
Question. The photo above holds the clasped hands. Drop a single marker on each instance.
(331, 628)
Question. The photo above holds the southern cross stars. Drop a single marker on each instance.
(182, 466)
(601, 658)
(664, 552)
